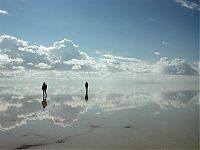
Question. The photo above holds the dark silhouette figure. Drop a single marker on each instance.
(44, 102)
(86, 86)
(86, 91)
(44, 89)
(86, 96)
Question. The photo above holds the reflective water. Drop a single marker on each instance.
(116, 115)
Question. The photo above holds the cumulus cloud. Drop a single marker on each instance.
(15, 52)
(3, 12)
(17, 60)
(64, 50)
(190, 4)
(122, 64)
(64, 55)
(75, 67)
(4, 59)
(174, 67)
(196, 66)
(86, 64)
(43, 66)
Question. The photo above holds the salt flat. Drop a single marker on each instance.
(118, 114)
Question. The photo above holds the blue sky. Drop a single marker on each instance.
(129, 28)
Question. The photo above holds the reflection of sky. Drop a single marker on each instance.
(23, 102)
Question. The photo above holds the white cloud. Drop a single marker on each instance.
(121, 58)
(174, 67)
(14, 51)
(76, 67)
(157, 53)
(43, 66)
(66, 56)
(17, 60)
(3, 12)
(88, 64)
(10, 42)
(197, 66)
(97, 52)
(188, 4)
(4, 59)
(30, 64)
(64, 50)
(18, 68)
(122, 64)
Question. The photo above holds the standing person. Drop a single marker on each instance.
(44, 89)
(86, 86)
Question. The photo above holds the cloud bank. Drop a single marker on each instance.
(174, 67)
(64, 55)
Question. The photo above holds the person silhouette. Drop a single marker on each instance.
(86, 86)
(44, 89)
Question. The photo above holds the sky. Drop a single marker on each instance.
(135, 28)
(146, 30)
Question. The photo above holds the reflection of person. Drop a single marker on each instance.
(86, 86)
(44, 88)
(86, 96)
(44, 102)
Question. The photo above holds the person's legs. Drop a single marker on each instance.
(45, 92)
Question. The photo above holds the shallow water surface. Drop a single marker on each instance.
(116, 115)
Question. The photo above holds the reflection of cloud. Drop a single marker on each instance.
(176, 99)
(19, 105)
(18, 110)
(59, 114)
(4, 105)
(138, 99)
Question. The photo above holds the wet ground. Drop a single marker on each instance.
(117, 115)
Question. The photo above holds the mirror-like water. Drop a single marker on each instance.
(116, 115)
